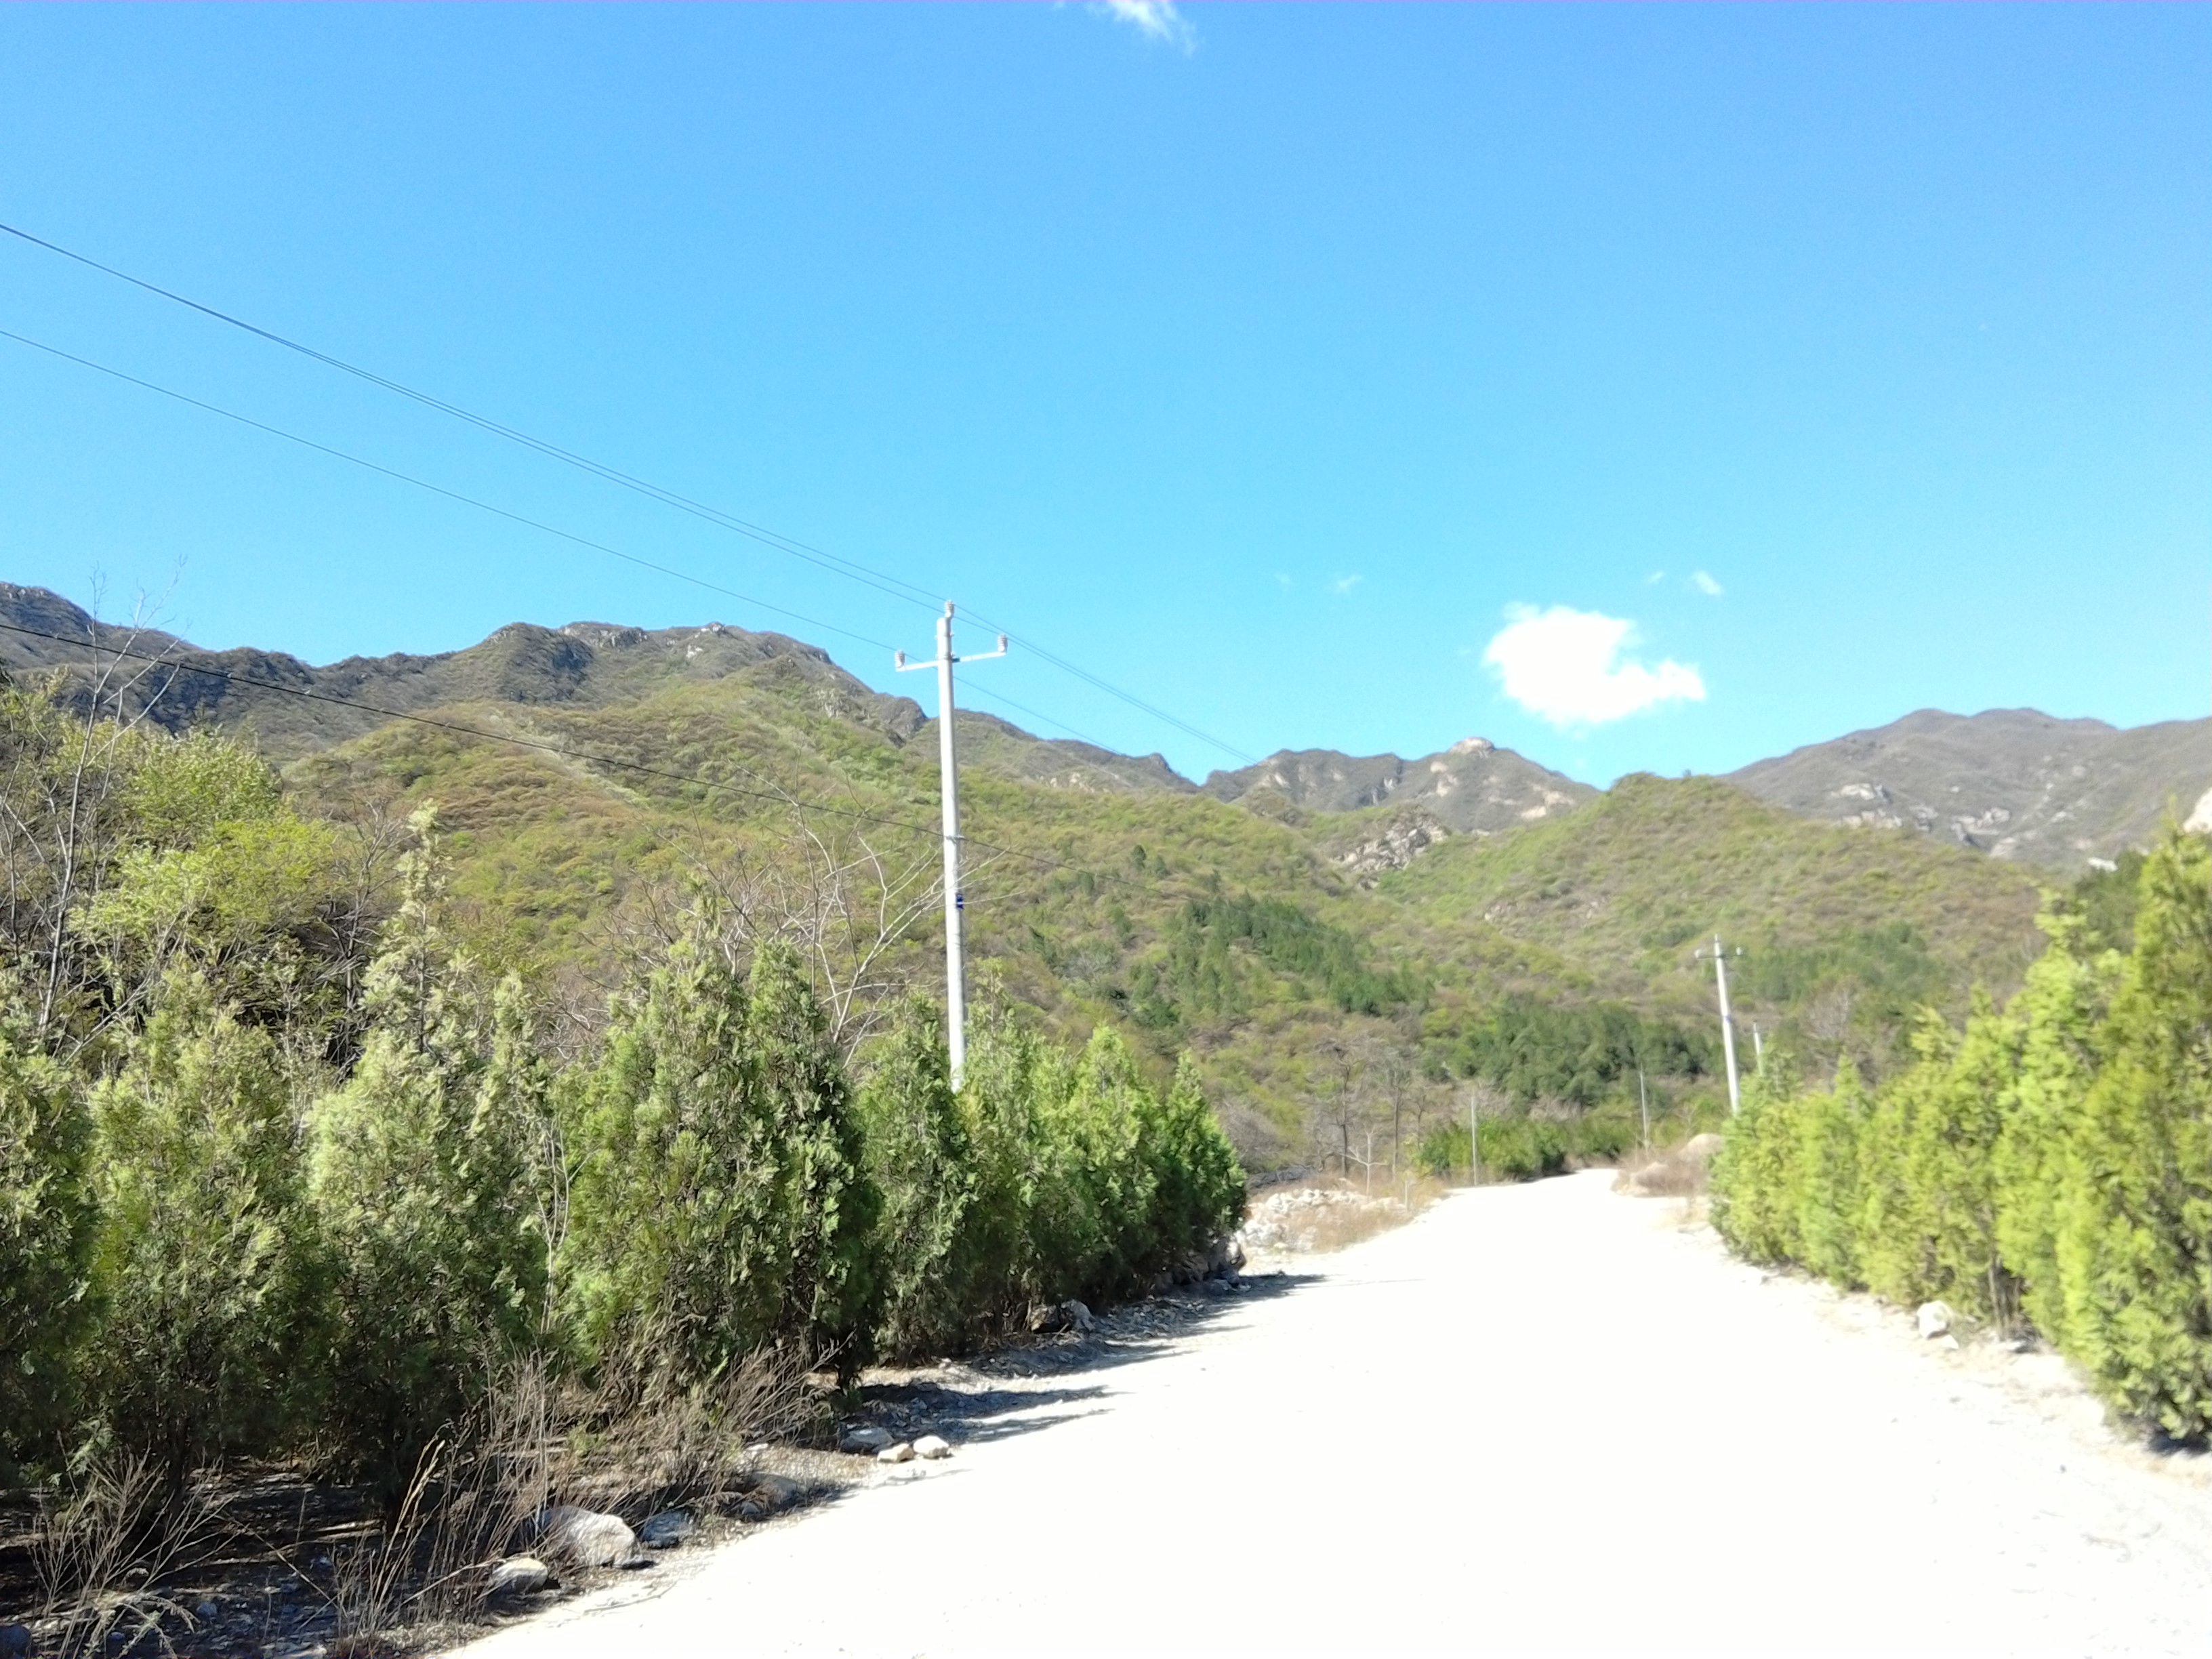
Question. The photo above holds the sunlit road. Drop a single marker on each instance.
(1541, 1419)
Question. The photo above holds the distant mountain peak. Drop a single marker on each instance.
(2015, 783)
(1473, 786)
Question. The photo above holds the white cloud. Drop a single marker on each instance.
(1344, 584)
(1655, 578)
(1566, 667)
(1282, 580)
(1156, 20)
(1705, 585)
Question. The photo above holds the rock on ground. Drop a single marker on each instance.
(583, 1537)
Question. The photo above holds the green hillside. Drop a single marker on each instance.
(1313, 1004)
(1843, 929)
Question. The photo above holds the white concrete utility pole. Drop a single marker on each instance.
(1727, 1022)
(948, 770)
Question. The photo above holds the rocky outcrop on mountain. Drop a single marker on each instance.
(1472, 786)
(2018, 784)
(1393, 846)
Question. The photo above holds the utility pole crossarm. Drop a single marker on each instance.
(955, 977)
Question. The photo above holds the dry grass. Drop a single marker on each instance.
(105, 1556)
(633, 1447)
(1677, 1172)
(100, 1548)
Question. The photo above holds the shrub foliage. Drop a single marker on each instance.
(2049, 1165)
(286, 1170)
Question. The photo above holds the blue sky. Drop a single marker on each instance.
(1641, 388)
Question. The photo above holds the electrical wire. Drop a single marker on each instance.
(439, 489)
(883, 581)
(517, 518)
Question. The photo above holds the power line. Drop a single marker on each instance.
(851, 569)
(774, 793)
(439, 489)
(517, 518)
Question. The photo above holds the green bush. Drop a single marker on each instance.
(1521, 1148)
(717, 1202)
(2062, 1011)
(924, 1168)
(1825, 1171)
(205, 1264)
(425, 1178)
(46, 1218)
(1198, 1186)
(2058, 1155)
(2135, 1239)
(1755, 1182)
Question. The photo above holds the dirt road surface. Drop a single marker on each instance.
(1541, 1419)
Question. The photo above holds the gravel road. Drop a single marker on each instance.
(1543, 1418)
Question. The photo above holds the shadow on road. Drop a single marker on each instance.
(996, 1394)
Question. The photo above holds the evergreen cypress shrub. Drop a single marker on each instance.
(1753, 1183)
(1949, 1168)
(2061, 1010)
(1198, 1185)
(1826, 1166)
(1892, 1232)
(2135, 1231)
(205, 1263)
(924, 1169)
(46, 1223)
(718, 1201)
(425, 1176)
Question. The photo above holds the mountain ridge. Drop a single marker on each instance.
(2064, 795)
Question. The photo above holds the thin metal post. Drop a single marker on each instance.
(948, 770)
(1474, 1138)
(1643, 1100)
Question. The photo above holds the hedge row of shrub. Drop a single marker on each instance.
(217, 1240)
(2048, 1165)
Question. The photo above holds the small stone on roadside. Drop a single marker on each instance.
(14, 1641)
(208, 1612)
(902, 1453)
(1934, 1319)
(866, 1439)
(518, 1574)
(665, 1530)
(583, 1536)
(931, 1445)
(776, 1491)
